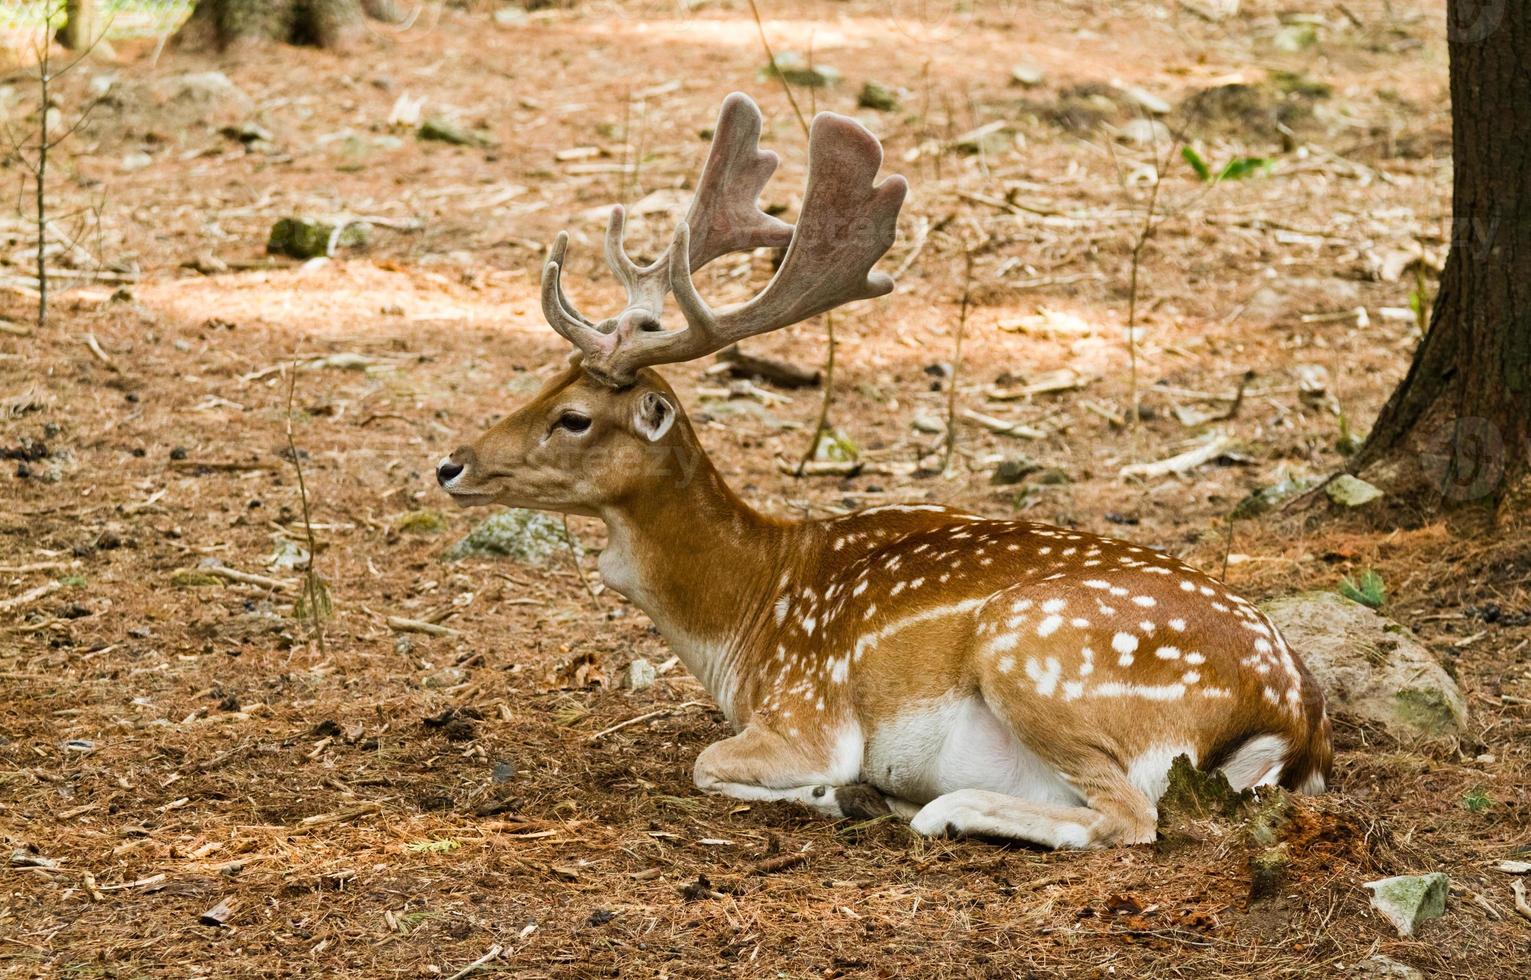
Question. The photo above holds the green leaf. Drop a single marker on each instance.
(1197, 163)
(1242, 167)
(1368, 589)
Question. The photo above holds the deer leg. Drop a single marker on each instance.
(759, 764)
(1116, 812)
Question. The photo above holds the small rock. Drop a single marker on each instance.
(1011, 471)
(640, 675)
(1350, 491)
(80, 745)
(511, 15)
(525, 535)
(23, 857)
(134, 162)
(1369, 667)
(403, 645)
(504, 771)
(1269, 498)
(1385, 966)
(445, 677)
(420, 522)
(1027, 75)
(1145, 100)
(796, 70)
(929, 424)
(310, 238)
(1409, 901)
(1147, 132)
(874, 96)
(436, 129)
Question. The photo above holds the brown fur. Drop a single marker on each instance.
(1092, 651)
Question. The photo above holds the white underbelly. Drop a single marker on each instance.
(957, 743)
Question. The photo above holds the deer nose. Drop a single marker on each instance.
(447, 471)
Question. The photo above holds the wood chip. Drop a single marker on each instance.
(219, 914)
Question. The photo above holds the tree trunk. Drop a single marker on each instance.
(227, 23)
(80, 25)
(1458, 429)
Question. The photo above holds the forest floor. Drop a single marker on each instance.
(400, 804)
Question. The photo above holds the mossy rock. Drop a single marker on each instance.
(527, 536)
(420, 522)
(191, 578)
(311, 238)
(1370, 668)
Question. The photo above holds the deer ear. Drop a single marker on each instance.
(653, 416)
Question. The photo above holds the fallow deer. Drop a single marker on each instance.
(975, 676)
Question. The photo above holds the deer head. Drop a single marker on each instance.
(606, 428)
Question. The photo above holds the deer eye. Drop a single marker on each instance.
(573, 422)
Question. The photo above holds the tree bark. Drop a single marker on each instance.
(1458, 429)
(228, 23)
(80, 25)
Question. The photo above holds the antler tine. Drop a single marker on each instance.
(847, 224)
(646, 285)
(561, 314)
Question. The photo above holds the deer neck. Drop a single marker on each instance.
(702, 564)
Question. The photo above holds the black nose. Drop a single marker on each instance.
(447, 472)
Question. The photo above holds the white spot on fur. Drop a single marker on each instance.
(1049, 626)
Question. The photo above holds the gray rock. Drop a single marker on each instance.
(445, 677)
(1350, 491)
(525, 535)
(640, 675)
(1027, 75)
(1147, 132)
(1409, 901)
(1370, 668)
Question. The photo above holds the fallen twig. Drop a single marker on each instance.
(1521, 907)
(644, 717)
(1002, 427)
(31, 595)
(493, 954)
(246, 578)
(399, 624)
(1188, 460)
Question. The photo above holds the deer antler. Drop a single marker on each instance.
(724, 212)
(847, 224)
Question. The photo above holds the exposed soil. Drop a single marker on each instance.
(397, 804)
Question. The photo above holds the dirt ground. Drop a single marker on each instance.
(399, 804)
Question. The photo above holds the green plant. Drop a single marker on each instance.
(1477, 800)
(1236, 169)
(1367, 589)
